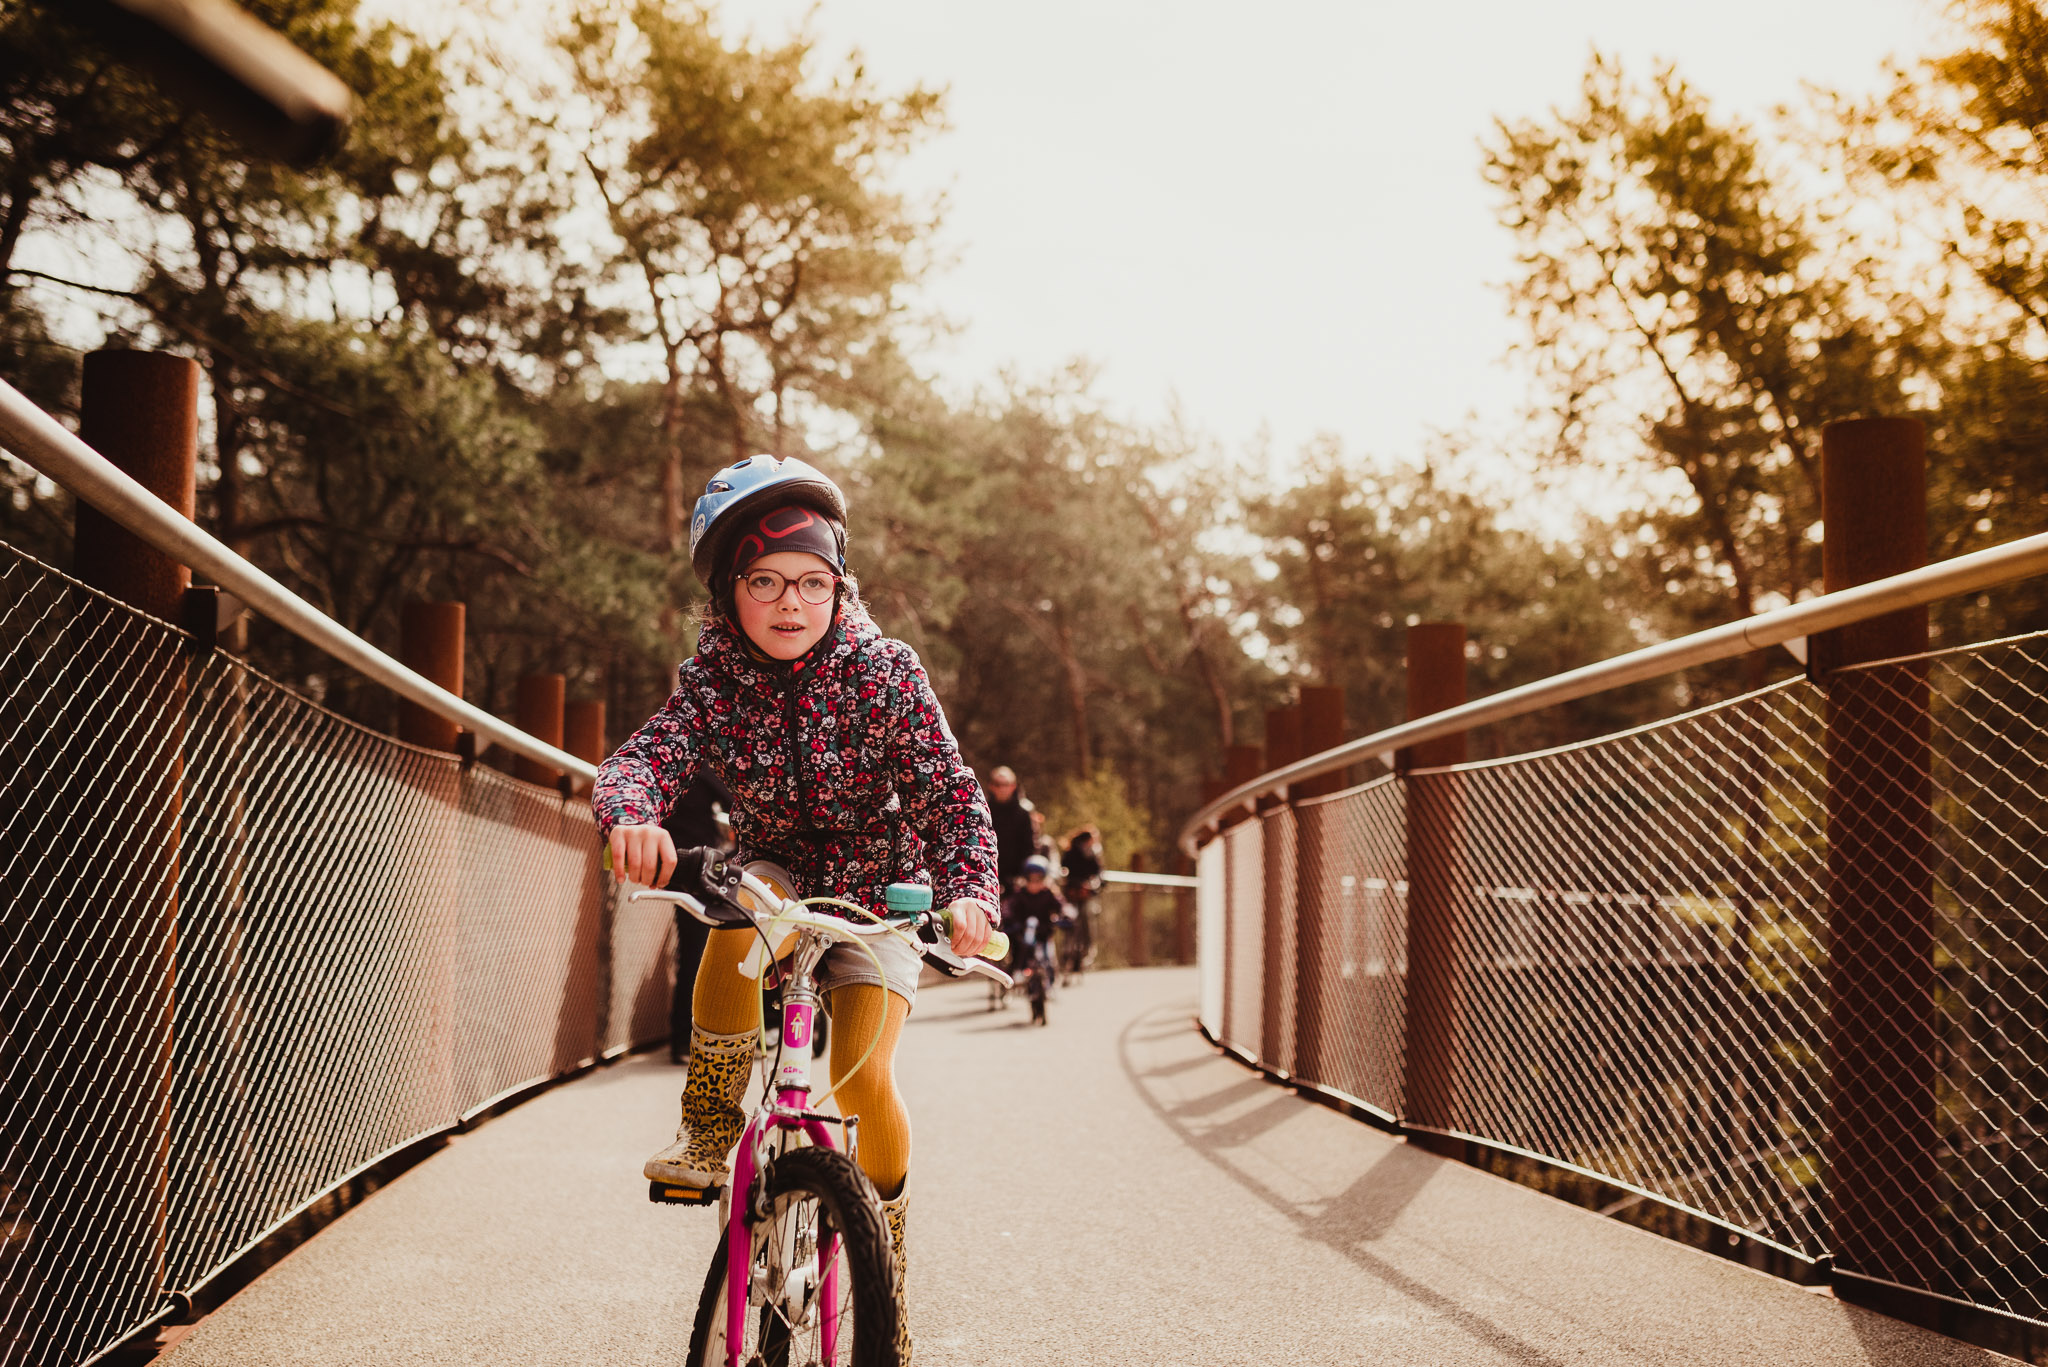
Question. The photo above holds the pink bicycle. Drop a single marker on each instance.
(804, 1276)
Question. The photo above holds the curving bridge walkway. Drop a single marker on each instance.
(1104, 1191)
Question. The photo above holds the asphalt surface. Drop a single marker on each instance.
(1105, 1190)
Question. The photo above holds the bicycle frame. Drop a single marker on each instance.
(788, 1110)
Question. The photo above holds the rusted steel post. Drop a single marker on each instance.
(430, 643)
(1183, 915)
(1881, 1012)
(1140, 942)
(1276, 1037)
(583, 733)
(1436, 891)
(1283, 744)
(1241, 764)
(141, 411)
(1322, 728)
(540, 716)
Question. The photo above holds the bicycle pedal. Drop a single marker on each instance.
(669, 1194)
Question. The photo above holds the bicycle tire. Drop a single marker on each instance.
(841, 1195)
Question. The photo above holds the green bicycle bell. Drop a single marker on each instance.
(900, 899)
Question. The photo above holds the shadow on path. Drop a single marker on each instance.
(1365, 1211)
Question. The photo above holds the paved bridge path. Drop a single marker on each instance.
(1107, 1190)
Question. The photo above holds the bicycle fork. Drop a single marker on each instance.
(790, 1111)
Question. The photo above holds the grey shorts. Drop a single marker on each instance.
(845, 965)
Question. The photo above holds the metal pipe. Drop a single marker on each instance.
(1964, 574)
(278, 101)
(1150, 880)
(43, 442)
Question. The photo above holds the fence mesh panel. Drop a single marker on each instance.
(1212, 916)
(1636, 985)
(1352, 947)
(1781, 962)
(251, 948)
(1990, 899)
(1244, 932)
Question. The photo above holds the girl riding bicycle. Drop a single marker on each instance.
(843, 772)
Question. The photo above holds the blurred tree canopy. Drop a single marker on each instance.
(1663, 271)
(1701, 298)
(491, 350)
(1360, 555)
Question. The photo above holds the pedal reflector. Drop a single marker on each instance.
(668, 1194)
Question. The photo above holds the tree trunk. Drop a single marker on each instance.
(673, 518)
(1077, 698)
(227, 448)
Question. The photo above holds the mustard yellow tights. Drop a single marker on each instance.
(725, 1003)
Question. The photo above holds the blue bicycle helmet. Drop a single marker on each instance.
(753, 485)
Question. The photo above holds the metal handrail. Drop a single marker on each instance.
(1149, 880)
(46, 444)
(1964, 574)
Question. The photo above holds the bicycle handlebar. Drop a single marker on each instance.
(939, 955)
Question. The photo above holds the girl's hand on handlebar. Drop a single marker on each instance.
(643, 854)
(969, 924)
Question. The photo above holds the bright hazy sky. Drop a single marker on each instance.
(1274, 211)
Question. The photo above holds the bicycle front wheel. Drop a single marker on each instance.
(815, 1196)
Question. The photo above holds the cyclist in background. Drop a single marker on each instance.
(842, 770)
(1035, 993)
(697, 819)
(1083, 889)
(1044, 846)
(1010, 813)
(1029, 914)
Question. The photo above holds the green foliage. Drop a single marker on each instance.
(1956, 147)
(748, 209)
(1362, 554)
(1670, 287)
(492, 349)
(1045, 561)
(66, 109)
(1101, 799)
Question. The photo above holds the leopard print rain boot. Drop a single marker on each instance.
(712, 1118)
(893, 1211)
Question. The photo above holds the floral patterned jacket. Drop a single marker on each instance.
(841, 765)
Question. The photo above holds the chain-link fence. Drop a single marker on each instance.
(1781, 963)
(1351, 938)
(252, 949)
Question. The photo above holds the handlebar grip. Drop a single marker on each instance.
(998, 946)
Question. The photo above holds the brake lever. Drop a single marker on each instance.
(714, 881)
(941, 956)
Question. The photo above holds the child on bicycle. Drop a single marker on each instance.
(1034, 992)
(842, 771)
(1083, 890)
(1029, 914)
